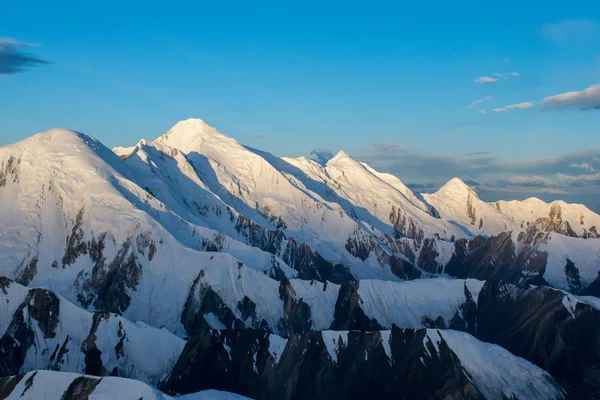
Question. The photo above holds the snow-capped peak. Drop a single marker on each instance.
(189, 134)
(340, 157)
(456, 187)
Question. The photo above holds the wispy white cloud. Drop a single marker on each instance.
(498, 75)
(523, 180)
(482, 111)
(580, 180)
(479, 101)
(584, 165)
(485, 79)
(516, 74)
(526, 104)
(586, 99)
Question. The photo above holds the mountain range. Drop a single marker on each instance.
(193, 266)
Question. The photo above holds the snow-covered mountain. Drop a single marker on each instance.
(194, 233)
(455, 201)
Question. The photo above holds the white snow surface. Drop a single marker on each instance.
(50, 385)
(406, 303)
(276, 346)
(334, 341)
(496, 372)
(212, 395)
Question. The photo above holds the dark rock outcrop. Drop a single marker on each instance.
(539, 325)
(348, 313)
(500, 258)
(241, 362)
(39, 305)
(9, 171)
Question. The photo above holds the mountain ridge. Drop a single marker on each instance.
(194, 233)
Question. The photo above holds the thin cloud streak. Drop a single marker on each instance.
(526, 104)
(485, 80)
(480, 101)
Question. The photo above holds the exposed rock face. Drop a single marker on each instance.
(363, 246)
(465, 318)
(471, 213)
(241, 362)
(41, 306)
(593, 289)
(81, 388)
(203, 302)
(547, 327)
(9, 172)
(258, 236)
(401, 363)
(555, 223)
(572, 273)
(14, 345)
(404, 225)
(107, 285)
(485, 258)
(500, 258)
(76, 244)
(93, 343)
(428, 257)
(311, 265)
(348, 313)
(301, 257)
(297, 313)
(28, 273)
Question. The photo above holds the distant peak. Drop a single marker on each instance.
(191, 127)
(59, 134)
(187, 134)
(62, 136)
(197, 122)
(456, 181)
(340, 156)
(456, 186)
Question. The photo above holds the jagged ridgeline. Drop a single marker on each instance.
(192, 262)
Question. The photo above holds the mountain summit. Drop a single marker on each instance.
(190, 134)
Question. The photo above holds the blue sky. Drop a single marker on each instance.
(389, 83)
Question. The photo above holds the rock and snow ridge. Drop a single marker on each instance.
(457, 202)
(405, 363)
(288, 217)
(69, 386)
(193, 231)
